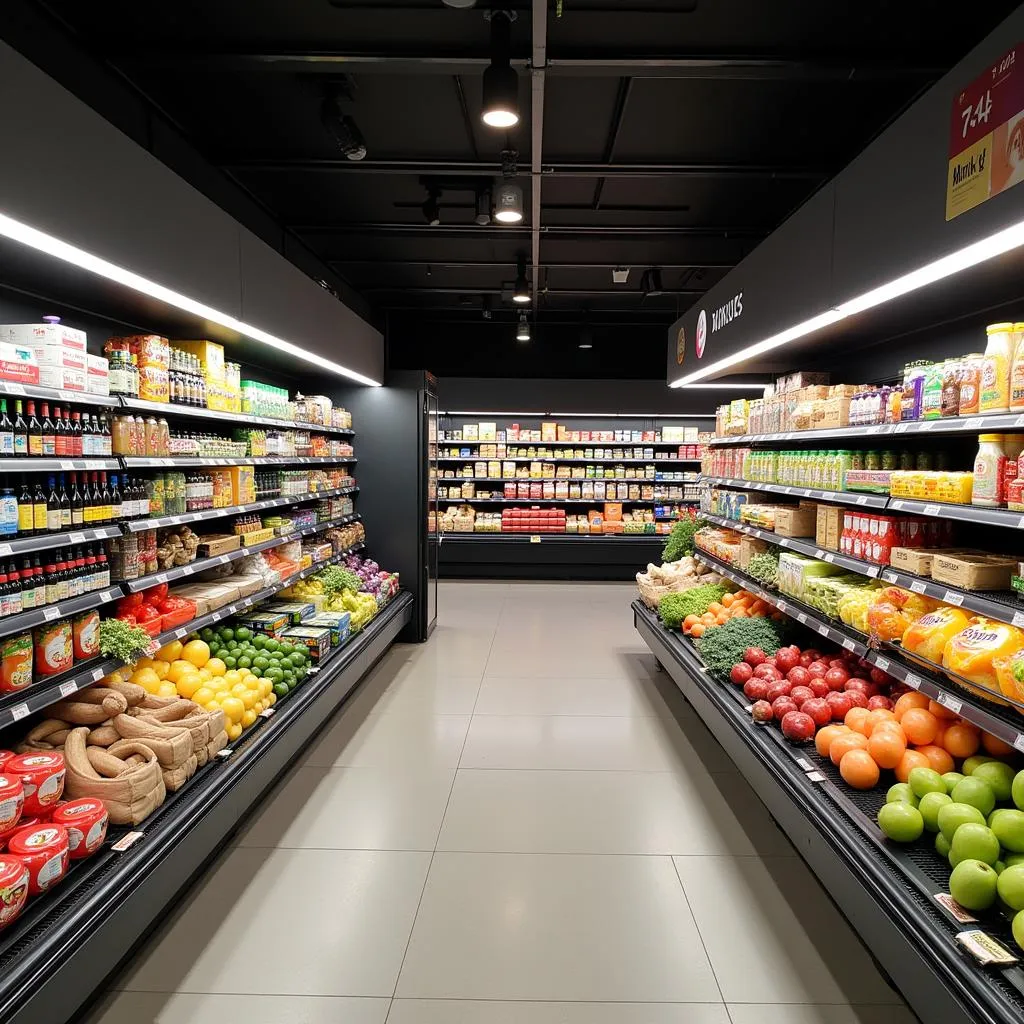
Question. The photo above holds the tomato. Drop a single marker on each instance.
(786, 658)
(754, 656)
(741, 673)
(836, 678)
(798, 675)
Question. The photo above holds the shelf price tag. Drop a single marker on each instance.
(266, 713)
(901, 428)
(954, 908)
(882, 663)
(974, 423)
(802, 617)
(805, 764)
(931, 510)
(66, 689)
(890, 576)
(49, 614)
(918, 586)
(914, 682)
(5, 549)
(862, 500)
(97, 674)
(873, 570)
(1018, 742)
(1018, 618)
(951, 597)
(849, 644)
(126, 841)
(950, 702)
(19, 711)
(815, 777)
(984, 948)
(535, 539)
(829, 557)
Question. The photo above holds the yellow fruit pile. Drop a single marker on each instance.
(188, 671)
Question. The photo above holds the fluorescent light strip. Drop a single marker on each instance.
(998, 244)
(724, 387)
(52, 246)
(494, 413)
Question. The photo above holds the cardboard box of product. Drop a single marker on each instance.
(210, 355)
(750, 546)
(973, 570)
(796, 522)
(30, 335)
(918, 560)
(59, 357)
(61, 379)
(835, 412)
(211, 544)
(18, 364)
(295, 610)
(247, 583)
(316, 639)
(337, 622)
(828, 527)
(267, 623)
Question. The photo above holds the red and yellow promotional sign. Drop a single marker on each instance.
(986, 137)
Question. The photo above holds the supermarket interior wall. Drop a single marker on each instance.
(119, 202)
(879, 218)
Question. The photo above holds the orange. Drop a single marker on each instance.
(180, 668)
(858, 769)
(216, 667)
(920, 726)
(938, 758)
(715, 607)
(856, 719)
(876, 717)
(939, 711)
(995, 746)
(690, 620)
(887, 747)
(910, 760)
(727, 600)
(842, 745)
(824, 737)
(698, 629)
(961, 740)
(908, 701)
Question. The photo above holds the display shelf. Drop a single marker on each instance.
(28, 465)
(12, 624)
(582, 444)
(566, 501)
(539, 538)
(155, 522)
(44, 692)
(55, 394)
(1003, 606)
(46, 541)
(999, 721)
(839, 496)
(949, 425)
(451, 480)
(173, 409)
(886, 896)
(57, 955)
(550, 458)
(171, 461)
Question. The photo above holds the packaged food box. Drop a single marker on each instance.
(18, 364)
(316, 639)
(796, 522)
(247, 584)
(973, 570)
(828, 527)
(211, 544)
(30, 335)
(835, 412)
(243, 486)
(58, 356)
(296, 611)
(266, 622)
(337, 622)
(210, 356)
(750, 546)
(877, 481)
(62, 379)
(917, 560)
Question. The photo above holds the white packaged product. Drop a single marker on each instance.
(31, 335)
(61, 379)
(60, 357)
(97, 375)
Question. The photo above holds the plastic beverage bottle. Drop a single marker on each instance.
(989, 471)
(995, 370)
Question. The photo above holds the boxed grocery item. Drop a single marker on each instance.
(60, 357)
(265, 622)
(548, 430)
(211, 544)
(795, 570)
(876, 481)
(488, 431)
(30, 335)
(612, 511)
(210, 356)
(835, 412)
(796, 522)
(828, 526)
(296, 611)
(750, 546)
(316, 639)
(918, 560)
(247, 583)
(243, 485)
(97, 375)
(337, 622)
(154, 383)
(62, 379)
(973, 570)
(796, 381)
(18, 364)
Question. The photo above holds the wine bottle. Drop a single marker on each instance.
(17, 604)
(76, 435)
(116, 505)
(60, 441)
(39, 509)
(77, 504)
(49, 440)
(53, 508)
(65, 505)
(20, 430)
(106, 502)
(28, 586)
(35, 433)
(6, 432)
(26, 526)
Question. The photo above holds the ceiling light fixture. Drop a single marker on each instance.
(431, 209)
(650, 283)
(523, 330)
(460, 5)
(508, 203)
(501, 83)
(620, 275)
(963, 259)
(521, 291)
(343, 129)
(483, 208)
(742, 386)
(42, 242)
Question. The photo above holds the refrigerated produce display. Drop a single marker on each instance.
(186, 593)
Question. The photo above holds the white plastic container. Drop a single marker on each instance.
(989, 466)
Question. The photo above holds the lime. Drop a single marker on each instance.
(260, 664)
(972, 841)
(229, 661)
(298, 659)
(207, 634)
(900, 821)
(285, 648)
(259, 641)
(999, 777)
(227, 633)
(951, 816)
(271, 645)
(276, 656)
(280, 689)
(243, 634)
(275, 675)
(245, 662)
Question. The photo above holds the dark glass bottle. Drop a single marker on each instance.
(20, 431)
(35, 433)
(65, 505)
(77, 504)
(60, 441)
(6, 432)
(49, 440)
(26, 524)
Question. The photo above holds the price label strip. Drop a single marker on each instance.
(127, 841)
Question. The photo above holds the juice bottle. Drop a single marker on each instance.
(989, 471)
(970, 384)
(931, 399)
(995, 374)
(1017, 370)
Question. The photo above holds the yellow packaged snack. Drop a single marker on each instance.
(894, 610)
(927, 638)
(973, 651)
(1010, 675)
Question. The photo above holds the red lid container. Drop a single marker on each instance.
(13, 888)
(42, 774)
(86, 821)
(12, 802)
(43, 849)
(5, 756)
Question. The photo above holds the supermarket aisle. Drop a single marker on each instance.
(518, 823)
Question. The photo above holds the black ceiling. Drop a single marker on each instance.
(676, 134)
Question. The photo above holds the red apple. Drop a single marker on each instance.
(777, 688)
(755, 689)
(798, 676)
(801, 693)
(814, 653)
(797, 727)
(754, 656)
(840, 703)
(741, 673)
(817, 708)
(836, 678)
(782, 706)
(818, 686)
(786, 659)
(858, 698)
(856, 683)
(878, 701)
(766, 671)
(805, 660)
(879, 677)
(818, 668)
(761, 712)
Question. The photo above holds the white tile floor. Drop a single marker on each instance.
(520, 822)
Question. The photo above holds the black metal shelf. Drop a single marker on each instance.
(449, 480)
(593, 460)
(538, 538)
(569, 501)
(881, 888)
(191, 412)
(53, 465)
(11, 624)
(185, 461)
(44, 692)
(579, 444)
(46, 541)
(820, 494)
(55, 394)
(69, 941)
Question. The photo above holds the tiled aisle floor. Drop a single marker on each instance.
(517, 823)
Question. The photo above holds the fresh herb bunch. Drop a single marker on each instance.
(673, 608)
(336, 579)
(120, 640)
(721, 647)
(765, 568)
(680, 540)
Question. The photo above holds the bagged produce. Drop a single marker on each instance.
(972, 652)
(1010, 675)
(928, 637)
(894, 610)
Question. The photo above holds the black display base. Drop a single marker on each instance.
(51, 965)
(552, 557)
(912, 941)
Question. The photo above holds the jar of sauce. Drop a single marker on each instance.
(970, 384)
(950, 400)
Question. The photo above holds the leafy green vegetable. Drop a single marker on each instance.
(764, 568)
(721, 647)
(673, 608)
(336, 579)
(120, 640)
(680, 540)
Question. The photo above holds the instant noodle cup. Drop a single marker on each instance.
(15, 662)
(927, 638)
(12, 802)
(86, 822)
(13, 889)
(42, 775)
(972, 653)
(43, 849)
(53, 651)
(85, 635)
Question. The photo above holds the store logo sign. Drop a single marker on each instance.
(702, 334)
(732, 310)
(680, 346)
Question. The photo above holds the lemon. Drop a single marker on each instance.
(170, 652)
(189, 686)
(232, 676)
(205, 674)
(180, 668)
(167, 689)
(248, 718)
(197, 652)
(161, 668)
(271, 698)
(212, 705)
(203, 696)
(113, 677)
(144, 663)
(216, 667)
(145, 677)
(234, 730)
(233, 708)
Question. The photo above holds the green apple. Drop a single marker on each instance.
(1018, 929)
(951, 779)
(929, 808)
(976, 792)
(973, 884)
(999, 776)
(925, 780)
(1017, 790)
(974, 842)
(952, 815)
(1014, 858)
(900, 822)
(1000, 866)
(1011, 887)
(972, 762)
(942, 845)
(1008, 826)
(902, 793)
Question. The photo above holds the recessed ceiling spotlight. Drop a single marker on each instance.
(341, 126)
(501, 83)
(431, 209)
(620, 275)
(483, 208)
(650, 283)
(461, 5)
(523, 330)
(521, 291)
(508, 203)
(585, 344)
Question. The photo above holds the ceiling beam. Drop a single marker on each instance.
(478, 264)
(618, 112)
(397, 289)
(538, 70)
(502, 230)
(555, 170)
(386, 58)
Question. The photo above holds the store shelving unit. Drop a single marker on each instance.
(885, 891)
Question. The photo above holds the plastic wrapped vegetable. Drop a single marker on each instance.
(1010, 675)
(894, 610)
(972, 652)
(927, 638)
